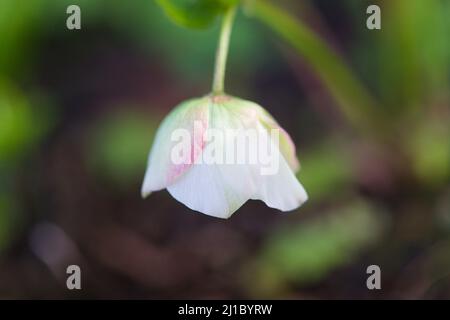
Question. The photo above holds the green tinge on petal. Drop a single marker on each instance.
(286, 144)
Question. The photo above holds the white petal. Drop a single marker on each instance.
(217, 189)
(282, 190)
(161, 171)
(286, 145)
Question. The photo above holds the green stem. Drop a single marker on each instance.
(222, 51)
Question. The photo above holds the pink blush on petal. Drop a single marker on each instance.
(176, 171)
(196, 149)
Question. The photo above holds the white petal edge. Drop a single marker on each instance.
(282, 190)
(215, 190)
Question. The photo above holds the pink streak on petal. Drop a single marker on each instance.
(197, 145)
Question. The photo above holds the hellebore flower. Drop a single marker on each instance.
(216, 152)
(207, 173)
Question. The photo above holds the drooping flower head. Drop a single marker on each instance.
(216, 152)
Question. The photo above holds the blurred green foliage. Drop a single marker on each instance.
(304, 254)
(414, 55)
(16, 122)
(21, 129)
(414, 64)
(356, 102)
(328, 169)
(22, 27)
(430, 148)
(118, 146)
(16, 33)
(20, 124)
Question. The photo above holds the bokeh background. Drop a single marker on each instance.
(78, 111)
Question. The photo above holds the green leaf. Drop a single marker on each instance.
(195, 13)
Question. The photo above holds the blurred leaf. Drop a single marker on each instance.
(19, 125)
(119, 146)
(356, 103)
(326, 171)
(413, 48)
(430, 149)
(304, 254)
(195, 13)
(17, 26)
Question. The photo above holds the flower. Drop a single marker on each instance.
(216, 152)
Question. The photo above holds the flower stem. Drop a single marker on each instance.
(222, 51)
